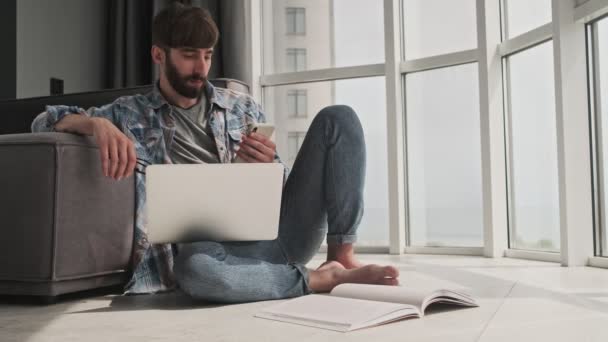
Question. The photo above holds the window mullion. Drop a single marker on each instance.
(494, 190)
(573, 150)
(395, 127)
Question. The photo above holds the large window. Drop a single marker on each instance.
(482, 154)
(367, 97)
(444, 158)
(599, 76)
(296, 20)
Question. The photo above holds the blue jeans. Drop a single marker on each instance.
(324, 189)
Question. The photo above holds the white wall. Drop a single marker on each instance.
(65, 39)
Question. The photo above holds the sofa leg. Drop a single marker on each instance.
(48, 300)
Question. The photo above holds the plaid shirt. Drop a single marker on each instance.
(146, 120)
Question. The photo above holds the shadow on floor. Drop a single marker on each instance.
(22, 317)
(162, 301)
(61, 299)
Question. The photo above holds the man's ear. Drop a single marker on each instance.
(158, 55)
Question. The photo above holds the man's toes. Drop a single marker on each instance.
(390, 271)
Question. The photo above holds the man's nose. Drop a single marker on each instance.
(201, 64)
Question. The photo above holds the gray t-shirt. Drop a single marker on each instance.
(193, 142)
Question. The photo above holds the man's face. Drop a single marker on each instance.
(186, 70)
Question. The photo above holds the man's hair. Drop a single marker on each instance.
(184, 26)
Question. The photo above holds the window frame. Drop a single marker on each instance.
(513, 250)
(595, 113)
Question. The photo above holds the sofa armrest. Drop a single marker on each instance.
(61, 219)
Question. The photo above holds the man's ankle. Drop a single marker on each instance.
(339, 252)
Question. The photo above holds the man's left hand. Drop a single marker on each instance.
(256, 148)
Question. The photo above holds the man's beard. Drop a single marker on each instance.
(180, 83)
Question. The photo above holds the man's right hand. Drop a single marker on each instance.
(116, 150)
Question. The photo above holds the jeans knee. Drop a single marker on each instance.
(339, 119)
(338, 114)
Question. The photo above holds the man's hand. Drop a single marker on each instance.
(117, 151)
(256, 148)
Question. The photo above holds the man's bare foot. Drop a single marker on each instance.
(344, 254)
(350, 263)
(332, 273)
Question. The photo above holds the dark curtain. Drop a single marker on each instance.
(129, 39)
(129, 62)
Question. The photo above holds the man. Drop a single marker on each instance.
(186, 120)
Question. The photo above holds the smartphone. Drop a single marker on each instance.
(265, 129)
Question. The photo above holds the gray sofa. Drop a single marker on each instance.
(64, 227)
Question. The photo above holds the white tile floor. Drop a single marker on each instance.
(520, 301)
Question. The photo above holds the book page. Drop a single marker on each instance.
(382, 293)
(418, 297)
(448, 297)
(335, 313)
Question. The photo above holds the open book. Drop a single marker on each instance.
(355, 306)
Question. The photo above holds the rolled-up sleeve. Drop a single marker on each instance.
(45, 121)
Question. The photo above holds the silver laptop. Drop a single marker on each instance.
(213, 202)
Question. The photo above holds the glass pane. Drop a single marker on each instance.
(602, 73)
(338, 33)
(367, 97)
(534, 203)
(444, 157)
(526, 15)
(435, 27)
